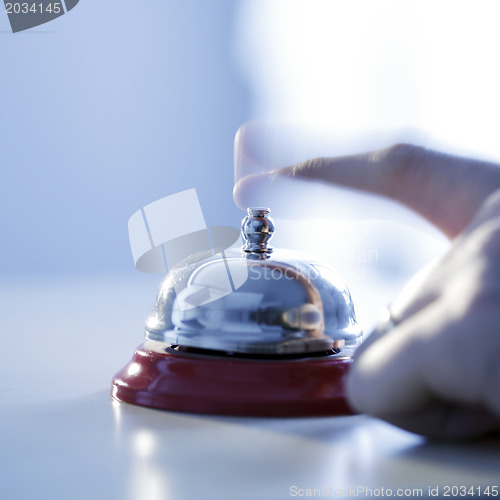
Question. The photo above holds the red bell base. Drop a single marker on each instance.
(307, 387)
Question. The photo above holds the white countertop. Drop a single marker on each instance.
(62, 437)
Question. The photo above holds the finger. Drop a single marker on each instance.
(488, 211)
(422, 290)
(447, 190)
(427, 285)
(263, 147)
(300, 197)
(393, 384)
(387, 376)
(447, 352)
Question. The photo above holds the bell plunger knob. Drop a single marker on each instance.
(257, 229)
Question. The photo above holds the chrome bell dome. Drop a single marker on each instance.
(255, 301)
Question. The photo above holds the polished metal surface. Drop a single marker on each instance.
(257, 229)
(255, 300)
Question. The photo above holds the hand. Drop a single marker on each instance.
(438, 371)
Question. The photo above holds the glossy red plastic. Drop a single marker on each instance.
(244, 387)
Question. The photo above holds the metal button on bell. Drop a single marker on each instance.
(250, 331)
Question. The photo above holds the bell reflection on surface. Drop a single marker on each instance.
(248, 331)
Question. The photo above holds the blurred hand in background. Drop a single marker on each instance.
(436, 371)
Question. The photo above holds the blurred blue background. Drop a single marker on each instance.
(104, 110)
